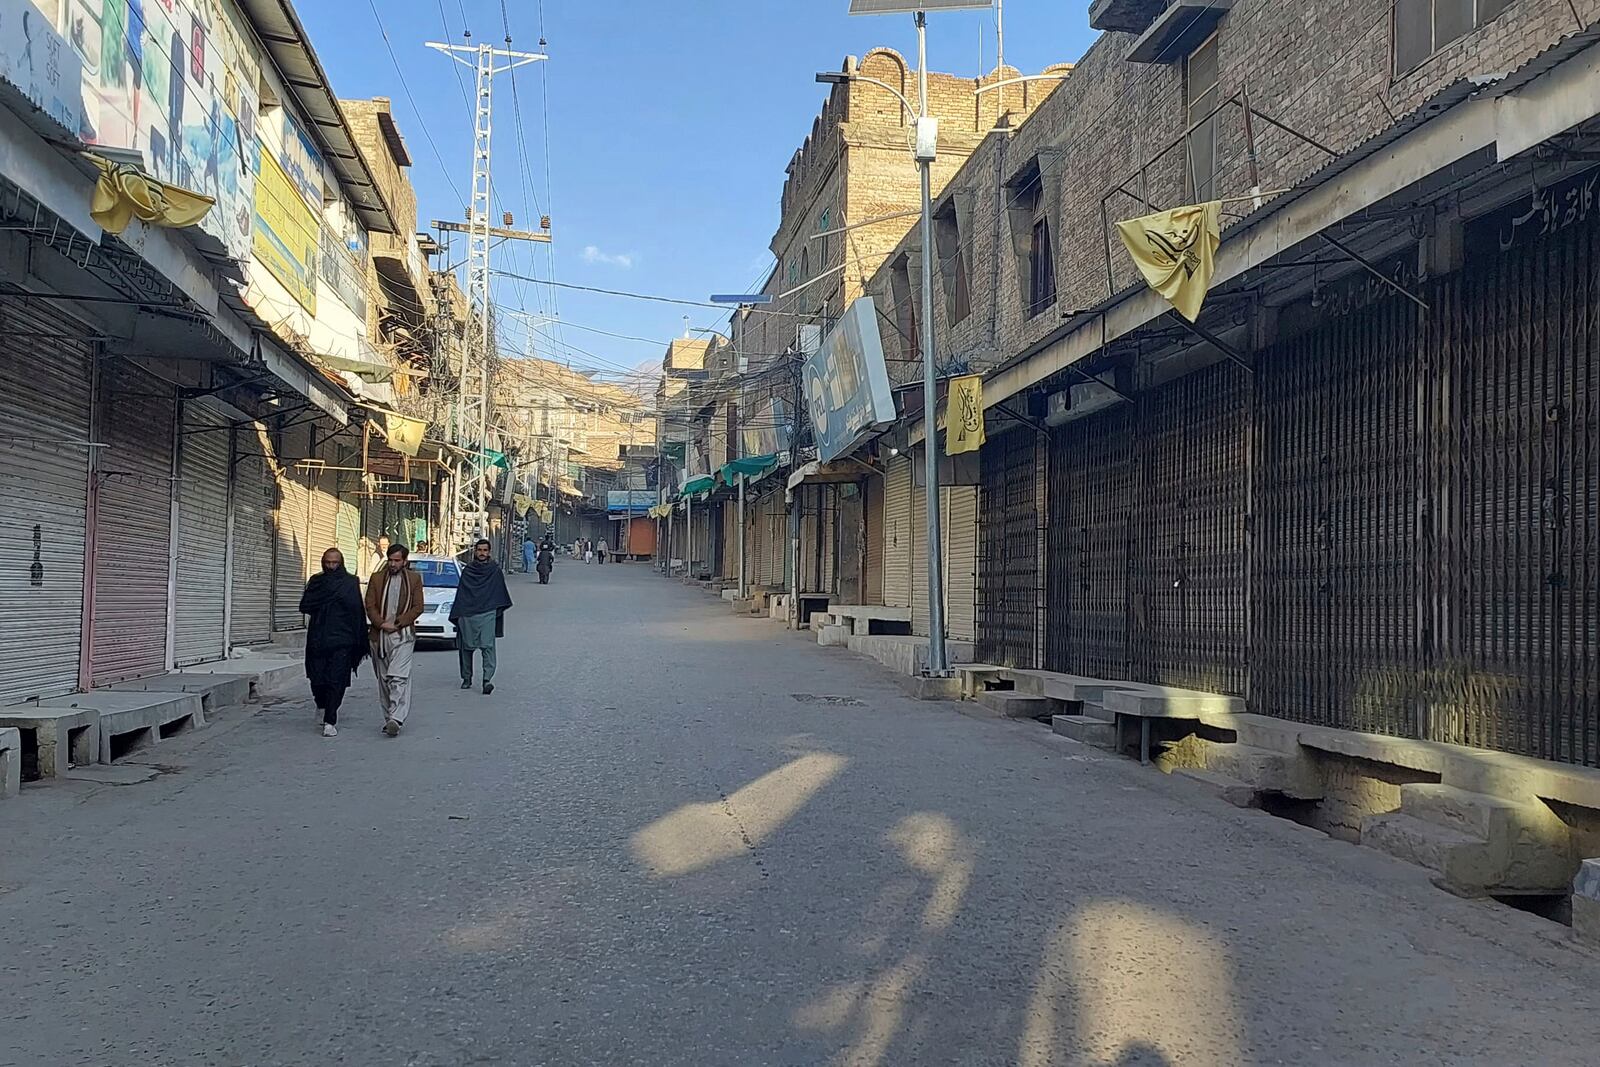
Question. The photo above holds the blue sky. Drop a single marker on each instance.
(670, 124)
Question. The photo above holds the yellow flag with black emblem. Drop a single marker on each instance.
(963, 415)
(1176, 251)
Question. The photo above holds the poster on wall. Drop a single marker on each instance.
(174, 80)
(38, 63)
(302, 162)
(287, 237)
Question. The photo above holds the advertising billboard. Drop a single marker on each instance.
(847, 382)
(630, 500)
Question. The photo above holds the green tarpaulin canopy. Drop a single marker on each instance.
(752, 467)
(699, 485)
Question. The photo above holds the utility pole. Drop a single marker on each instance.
(472, 482)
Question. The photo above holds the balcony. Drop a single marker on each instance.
(1178, 30)
(1124, 16)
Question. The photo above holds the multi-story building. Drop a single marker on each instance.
(178, 438)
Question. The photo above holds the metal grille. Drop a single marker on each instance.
(1091, 502)
(1188, 627)
(1518, 643)
(1335, 607)
(1008, 580)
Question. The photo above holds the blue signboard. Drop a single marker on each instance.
(847, 382)
(621, 501)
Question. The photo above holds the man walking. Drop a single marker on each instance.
(394, 602)
(479, 613)
(376, 561)
(529, 551)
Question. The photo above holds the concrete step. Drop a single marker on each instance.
(1015, 705)
(1158, 702)
(10, 762)
(1477, 814)
(832, 635)
(142, 714)
(62, 737)
(1426, 844)
(1096, 732)
(1265, 770)
(1239, 794)
(216, 690)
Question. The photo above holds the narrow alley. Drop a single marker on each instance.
(673, 836)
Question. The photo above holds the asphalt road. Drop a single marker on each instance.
(660, 842)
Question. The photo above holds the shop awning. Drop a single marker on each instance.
(752, 467)
(696, 486)
(367, 370)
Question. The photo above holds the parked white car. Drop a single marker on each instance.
(440, 577)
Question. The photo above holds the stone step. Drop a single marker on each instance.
(1265, 770)
(832, 635)
(1478, 814)
(1426, 844)
(1096, 732)
(10, 762)
(1239, 794)
(1156, 702)
(1015, 705)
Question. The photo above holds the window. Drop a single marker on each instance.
(437, 573)
(805, 264)
(952, 265)
(1041, 268)
(822, 228)
(1422, 27)
(1200, 97)
(908, 341)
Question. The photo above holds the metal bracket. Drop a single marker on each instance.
(1374, 271)
(1212, 339)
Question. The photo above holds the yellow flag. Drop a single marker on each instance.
(1176, 251)
(963, 415)
(405, 435)
(124, 193)
(522, 502)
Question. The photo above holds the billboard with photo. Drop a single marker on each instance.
(847, 382)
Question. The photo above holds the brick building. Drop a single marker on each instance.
(1349, 517)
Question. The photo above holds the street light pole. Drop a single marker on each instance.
(937, 662)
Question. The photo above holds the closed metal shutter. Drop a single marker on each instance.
(1519, 573)
(133, 524)
(775, 540)
(253, 496)
(293, 540)
(730, 538)
(872, 542)
(960, 535)
(897, 534)
(1009, 569)
(918, 528)
(1189, 605)
(1091, 499)
(1334, 641)
(44, 486)
(347, 521)
(202, 495)
(324, 526)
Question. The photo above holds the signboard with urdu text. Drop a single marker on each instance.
(847, 382)
(287, 237)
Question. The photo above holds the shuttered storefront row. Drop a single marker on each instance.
(253, 497)
(203, 474)
(44, 485)
(133, 524)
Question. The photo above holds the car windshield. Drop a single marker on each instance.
(438, 573)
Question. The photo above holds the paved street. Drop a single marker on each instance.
(657, 843)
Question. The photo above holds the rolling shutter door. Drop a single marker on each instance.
(252, 539)
(917, 580)
(897, 534)
(872, 543)
(323, 531)
(961, 561)
(44, 486)
(347, 522)
(202, 537)
(133, 525)
(289, 558)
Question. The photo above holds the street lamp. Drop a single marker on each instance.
(925, 150)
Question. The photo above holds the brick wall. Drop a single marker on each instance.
(1322, 69)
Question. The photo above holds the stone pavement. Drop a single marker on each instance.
(674, 836)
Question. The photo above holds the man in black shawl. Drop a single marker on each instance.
(479, 613)
(336, 635)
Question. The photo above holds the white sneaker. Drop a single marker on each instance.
(329, 730)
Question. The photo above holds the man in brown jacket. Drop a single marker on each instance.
(394, 602)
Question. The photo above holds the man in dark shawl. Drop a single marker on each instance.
(479, 613)
(336, 635)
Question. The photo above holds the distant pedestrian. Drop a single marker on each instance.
(376, 561)
(394, 602)
(336, 635)
(529, 552)
(600, 551)
(547, 560)
(479, 613)
(588, 551)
